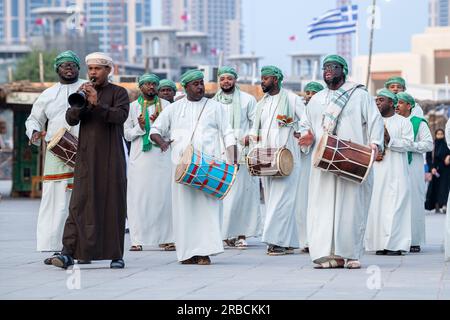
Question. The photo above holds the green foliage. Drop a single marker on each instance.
(28, 67)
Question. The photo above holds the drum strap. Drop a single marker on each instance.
(198, 120)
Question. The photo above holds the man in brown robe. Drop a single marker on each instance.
(95, 227)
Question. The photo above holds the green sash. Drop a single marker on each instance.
(415, 121)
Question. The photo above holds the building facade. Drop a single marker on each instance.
(439, 13)
(220, 20)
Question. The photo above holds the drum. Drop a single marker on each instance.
(270, 162)
(205, 173)
(346, 159)
(64, 146)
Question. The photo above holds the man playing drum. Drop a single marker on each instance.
(51, 107)
(389, 224)
(149, 201)
(276, 118)
(337, 208)
(241, 209)
(200, 122)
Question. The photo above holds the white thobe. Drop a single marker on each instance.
(337, 208)
(280, 193)
(149, 186)
(422, 144)
(447, 229)
(51, 106)
(389, 223)
(241, 208)
(302, 195)
(417, 111)
(196, 215)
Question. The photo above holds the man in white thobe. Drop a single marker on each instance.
(196, 215)
(389, 224)
(337, 208)
(149, 186)
(423, 143)
(277, 116)
(241, 208)
(50, 108)
(398, 84)
(305, 159)
(447, 229)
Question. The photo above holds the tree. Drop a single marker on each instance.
(28, 67)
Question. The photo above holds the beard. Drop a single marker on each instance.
(72, 78)
(228, 90)
(333, 82)
(267, 88)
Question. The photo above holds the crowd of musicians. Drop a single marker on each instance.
(196, 167)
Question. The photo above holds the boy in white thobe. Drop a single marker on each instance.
(389, 223)
(423, 143)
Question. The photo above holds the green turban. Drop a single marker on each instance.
(272, 71)
(167, 83)
(146, 78)
(338, 59)
(227, 70)
(66, 56)
(314, 86)
(190, 76)
(398, 80)
(407, 98)
(386, 93)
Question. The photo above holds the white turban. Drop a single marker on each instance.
(99, 58)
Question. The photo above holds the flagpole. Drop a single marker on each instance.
(369, 65)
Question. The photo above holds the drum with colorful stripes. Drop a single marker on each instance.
(205, 173)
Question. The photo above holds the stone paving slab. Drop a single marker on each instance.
(234, 275)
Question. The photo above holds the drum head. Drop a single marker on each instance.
(286, 161)
(56, 137)
(318, 155)
(185, 161)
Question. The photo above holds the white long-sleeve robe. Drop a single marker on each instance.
(280, 193)
(302, 194)
(337, 208)
(196, 215)
(51, 106)
(149, 187)
(389, 223)
(422, 144)
(447, 229)
(241, 208)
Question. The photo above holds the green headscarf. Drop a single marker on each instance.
(148, 78)
(227, 70)
(66, 56)
(398, 80)
(167, 83)
(190, 76)
(407, 98)
(386, 93)
(338, 59)
(272, 71)
(314, 86)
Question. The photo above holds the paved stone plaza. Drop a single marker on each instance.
(248, 274)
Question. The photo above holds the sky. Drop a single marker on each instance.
(268, 25)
